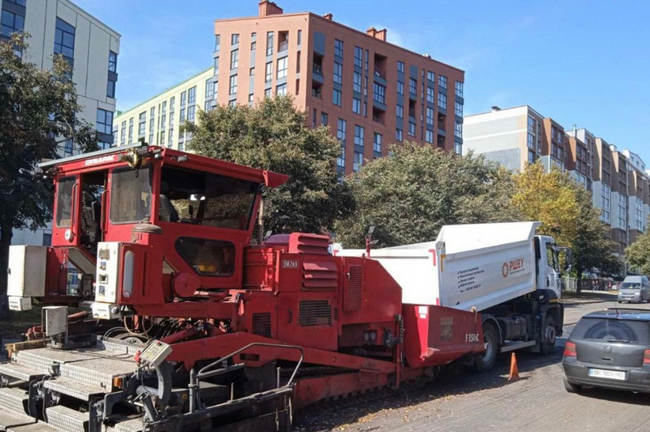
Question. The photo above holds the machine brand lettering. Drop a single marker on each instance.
(512, 267)
(471, 337)
(289, 264)
(99, 160)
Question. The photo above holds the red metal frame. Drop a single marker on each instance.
(331, 306)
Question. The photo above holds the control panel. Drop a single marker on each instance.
(107, 273)
(155, 353)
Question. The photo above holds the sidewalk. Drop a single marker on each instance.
(588, 296)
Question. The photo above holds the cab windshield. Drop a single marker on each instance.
(200, 198)
(552, 257)
(130, 195)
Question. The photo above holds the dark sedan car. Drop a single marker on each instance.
(609, 349)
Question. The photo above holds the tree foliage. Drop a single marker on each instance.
(638, 254)
(273, 135)
(566, 212)
(38, 110)
(408, 196)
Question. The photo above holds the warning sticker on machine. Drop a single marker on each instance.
(467, 279)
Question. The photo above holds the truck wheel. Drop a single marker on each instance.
(571, 388)
(549, 335)
(486, 361)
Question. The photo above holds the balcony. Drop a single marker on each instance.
(379, 78)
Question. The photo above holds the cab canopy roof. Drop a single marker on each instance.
(116, 155)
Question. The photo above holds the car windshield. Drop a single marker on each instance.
(631, 285)
(612, 330)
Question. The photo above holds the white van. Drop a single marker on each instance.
(634, 289)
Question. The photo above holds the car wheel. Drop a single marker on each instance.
(571, 388)
(486, 361)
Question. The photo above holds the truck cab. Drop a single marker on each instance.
(547, 258)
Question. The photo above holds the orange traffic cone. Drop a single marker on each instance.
(514, 370)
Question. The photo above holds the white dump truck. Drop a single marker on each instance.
(501, 270)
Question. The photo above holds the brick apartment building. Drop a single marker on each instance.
(368, 91)
(617, 180)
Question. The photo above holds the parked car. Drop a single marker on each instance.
(634, 289)
(609, 349)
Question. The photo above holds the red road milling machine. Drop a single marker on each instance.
(163, 311)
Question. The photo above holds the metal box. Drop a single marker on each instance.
(26, 272)
(55, 320)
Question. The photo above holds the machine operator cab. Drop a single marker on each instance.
(139, 222)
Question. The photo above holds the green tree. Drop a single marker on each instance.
(273, 135)
(408, 196)
(638, 254)
(37, 112)
(567, 214)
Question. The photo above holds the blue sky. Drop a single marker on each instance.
(581, 62)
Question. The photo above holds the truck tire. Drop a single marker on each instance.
(571, 388)
(548, 336)
(486, 361)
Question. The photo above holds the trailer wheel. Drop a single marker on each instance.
(486, 361)
(549, 336)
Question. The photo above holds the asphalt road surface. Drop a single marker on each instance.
(467, 401)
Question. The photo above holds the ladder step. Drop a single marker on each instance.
(66, 419)
(73, 388)
(9, 419)
(38, 426)
(130, 425)
(19, 372)
(13, 399)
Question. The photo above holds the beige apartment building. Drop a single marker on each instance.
(157, 120)
(618, 181)
(88, 45)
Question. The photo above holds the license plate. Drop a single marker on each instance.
(604, 373)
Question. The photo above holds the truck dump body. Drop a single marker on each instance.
(469, 267)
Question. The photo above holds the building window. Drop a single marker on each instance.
(531, 141)
(209, 94)
(104, 121)
(170, 137)
(411, 128)
(442, 101)
(281, 90)
(376, 144)
(400, 66)
(110, 88)
(356, 82)
(63, 41)
(398, 134)
(358, 57)
(217, 43)
(357, 162)
(268, 93)
(459, 88)
(299, 38)
(428, 136)
(234, 59)
(251, 99)
(268, 72)
(431, 77)
(442, 82)
(458, 148)
(338, 48)
(269, 43)
(430, 95)
(130, 130)
(358, 136)
(400, 87)
(399, 111)
(191, 113)
(233, 85)
(458, 109)
(413, 86)
(11, 23)
(429, 111)
(336, 97)
(234, 39)
(324, 119)
(458, 129)
(123, 133)
(142, 122)
(337, 73)
(112, 61)
(283, 64)
(163, 115)
(356, 105)
(340, 135)
(379, 93)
